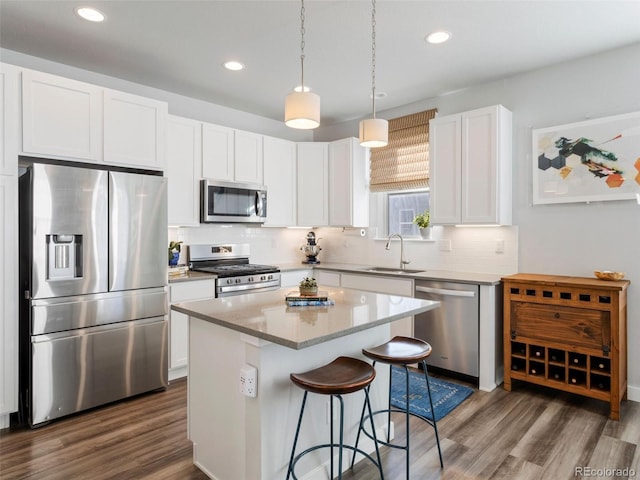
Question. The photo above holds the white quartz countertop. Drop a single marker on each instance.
(440, 275)
(266, 315)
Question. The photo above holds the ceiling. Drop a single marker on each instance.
(179, 46)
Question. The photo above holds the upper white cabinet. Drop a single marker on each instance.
(78, 121)
(248, 157)
(134, 130)
(8, 295)
(184, 159)
(280, 177)
(313, 188)
(9, 116)
(348, 193)
(231, 155)
(470, 167)
(61, 117)
(217, 152)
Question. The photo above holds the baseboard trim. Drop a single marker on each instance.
(633, 394)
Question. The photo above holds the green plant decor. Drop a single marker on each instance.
(173, 247)
(422, 220)
(308, 282)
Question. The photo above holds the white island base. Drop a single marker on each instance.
(238, 437)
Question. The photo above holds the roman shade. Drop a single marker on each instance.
(404, 163)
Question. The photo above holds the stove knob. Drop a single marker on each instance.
(229, 281)
(270, 277)
(238, 280)
(250, 279)
(262, 278)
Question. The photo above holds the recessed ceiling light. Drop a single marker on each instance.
(439, 36)
(90, 14)
(233, 65)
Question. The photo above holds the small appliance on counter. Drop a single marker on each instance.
(311, 249)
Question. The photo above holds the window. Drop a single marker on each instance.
(401, 210)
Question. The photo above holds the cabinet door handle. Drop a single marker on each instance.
(557, 315)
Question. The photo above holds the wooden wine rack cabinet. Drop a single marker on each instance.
(568, 333)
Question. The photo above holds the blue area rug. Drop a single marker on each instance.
(445, 395)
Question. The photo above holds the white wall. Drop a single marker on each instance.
(562, 239)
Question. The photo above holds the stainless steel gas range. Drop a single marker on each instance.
(230, 263)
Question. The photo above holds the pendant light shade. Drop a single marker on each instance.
(302, 110)
(374, 132)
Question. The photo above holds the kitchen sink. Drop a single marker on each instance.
(391, 270)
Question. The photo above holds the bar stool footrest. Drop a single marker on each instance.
(329, 445)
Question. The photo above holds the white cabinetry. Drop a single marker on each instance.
(348, 193)
(231, 155)
(61, 117)
(280, 179)
(470, 167)
(313, 188)
(292, 278)
(78, 121)
(217, 152)
(179, 322)
(248, 157)
(8, 297)
(134, 130)
(9, 118)
(184, 160)
(374, 283)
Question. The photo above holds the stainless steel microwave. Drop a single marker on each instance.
(230, 202)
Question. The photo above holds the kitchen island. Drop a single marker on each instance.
(239, 437)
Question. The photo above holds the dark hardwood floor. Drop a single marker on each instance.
(529, 433)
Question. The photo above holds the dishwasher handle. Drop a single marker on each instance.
(443, 291)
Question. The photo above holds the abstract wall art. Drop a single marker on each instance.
(594, 160)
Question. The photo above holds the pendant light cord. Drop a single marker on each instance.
(302, 46)
(373, 56)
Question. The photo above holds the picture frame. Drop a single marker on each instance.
(593, 160)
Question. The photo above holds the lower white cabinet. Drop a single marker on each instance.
(292, 278)
(8, 297)
(384, 284)
(184, 291)
(325, 277)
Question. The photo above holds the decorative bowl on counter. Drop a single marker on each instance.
(608, 275)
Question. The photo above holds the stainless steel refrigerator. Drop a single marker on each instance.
(93, 273)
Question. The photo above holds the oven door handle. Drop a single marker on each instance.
(443, 291)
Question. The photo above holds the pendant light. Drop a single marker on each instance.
(302, 107)
(374, 132)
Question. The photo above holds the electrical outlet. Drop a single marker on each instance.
(249, 381)
(499, 246)
(445, 245)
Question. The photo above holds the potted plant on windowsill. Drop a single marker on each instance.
(174, 253)
(423, 220)
(308, 286)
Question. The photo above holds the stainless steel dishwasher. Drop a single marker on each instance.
(453, 329)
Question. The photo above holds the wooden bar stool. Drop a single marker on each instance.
(401, 351)
(342, 376)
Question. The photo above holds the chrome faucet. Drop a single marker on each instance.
(403, 262)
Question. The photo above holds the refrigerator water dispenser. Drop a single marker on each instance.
(64, 254)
